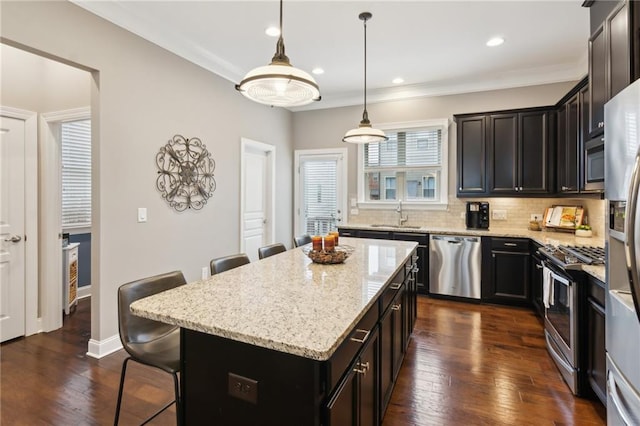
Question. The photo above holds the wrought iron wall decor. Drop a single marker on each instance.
(185, 173)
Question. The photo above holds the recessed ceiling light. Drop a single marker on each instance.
(397, 80)
(317, 71)
(272, 31)
(495, 41)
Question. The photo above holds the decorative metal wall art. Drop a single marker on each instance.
(185, 173)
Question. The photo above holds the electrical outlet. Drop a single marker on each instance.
(142, 214)
(354, 212)
(536, 216)
(205, 273)
(499, 214)
(243, 388)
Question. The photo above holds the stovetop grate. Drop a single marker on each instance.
(590, 255)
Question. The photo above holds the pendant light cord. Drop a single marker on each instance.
(280, 57)
(365, 115)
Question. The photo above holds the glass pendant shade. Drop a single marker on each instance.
(364, 133)
(279, 83)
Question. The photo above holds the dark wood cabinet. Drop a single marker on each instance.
(392, 348)
(508, 269)
(533, 152)
(536, 282)
(471, 157)
(569, 147)
(518, 153)
(609, 60)
(596, 370)
(503, 153)
(422, 261)
(355, 401)
(376, 235)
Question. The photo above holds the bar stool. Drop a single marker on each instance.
(301, 240)
(225, 263)
(270, 250)
(149, 342)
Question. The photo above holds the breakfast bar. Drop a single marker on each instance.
(287, 341)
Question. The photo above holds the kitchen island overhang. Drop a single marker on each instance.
(274, 340)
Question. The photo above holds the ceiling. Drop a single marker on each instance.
(437, 47)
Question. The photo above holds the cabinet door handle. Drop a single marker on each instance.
(510, 244)
(364, 337)
(13, 239)
(362, 368)
(395, 286)
(396, 307)
(601, 124)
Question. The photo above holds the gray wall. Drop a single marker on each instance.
(142, 95)
(325, 128)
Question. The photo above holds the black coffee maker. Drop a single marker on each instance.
(477, 215)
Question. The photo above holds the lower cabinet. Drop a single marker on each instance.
(596, 355)
(356, 399)
(506, 277)
(536, 282)
(391, 344)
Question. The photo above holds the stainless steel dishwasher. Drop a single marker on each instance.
(454, 265)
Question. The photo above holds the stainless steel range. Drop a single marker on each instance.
(573, 257)
(561, 294)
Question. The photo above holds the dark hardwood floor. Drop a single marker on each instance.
(466, 365)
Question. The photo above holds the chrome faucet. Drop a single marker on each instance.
(401, 219)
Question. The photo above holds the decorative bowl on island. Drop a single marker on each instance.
(324, 257)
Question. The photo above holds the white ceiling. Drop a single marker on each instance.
(437, 47)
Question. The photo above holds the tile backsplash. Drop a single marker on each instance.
(518, 213)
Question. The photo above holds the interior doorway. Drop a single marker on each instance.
(42, 85)
(257, 199)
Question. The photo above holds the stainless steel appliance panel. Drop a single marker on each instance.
(623, 401)
(623, 336)
(455, 265)
(622, 137)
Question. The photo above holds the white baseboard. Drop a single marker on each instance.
(102, 348)
(84, 291)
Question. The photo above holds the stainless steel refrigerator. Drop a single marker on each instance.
(622, 182)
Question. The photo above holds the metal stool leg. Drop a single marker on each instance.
(122, 374)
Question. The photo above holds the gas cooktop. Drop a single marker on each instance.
(573, 257)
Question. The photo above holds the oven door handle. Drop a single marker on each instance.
(557, 277)
(555, 355)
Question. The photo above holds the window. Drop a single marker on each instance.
(76, 173)
(411, 166)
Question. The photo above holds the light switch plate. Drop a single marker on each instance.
(142, 214)
(355, 212)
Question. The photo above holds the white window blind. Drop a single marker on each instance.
(320, 198)
(76, 173)
(410, 166)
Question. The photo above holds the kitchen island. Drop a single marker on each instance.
(286, 341)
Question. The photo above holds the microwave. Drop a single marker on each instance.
(594, 164)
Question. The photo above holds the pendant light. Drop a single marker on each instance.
(279, 83)
(364, 133)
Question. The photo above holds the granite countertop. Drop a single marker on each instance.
(541, 237)
(285, 302)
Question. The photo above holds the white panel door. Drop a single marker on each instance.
(256, 207)
(12, 247)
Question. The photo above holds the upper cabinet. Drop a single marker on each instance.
(504, 153)
(609, 58)
(471, 148)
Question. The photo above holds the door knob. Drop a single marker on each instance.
(14, 239)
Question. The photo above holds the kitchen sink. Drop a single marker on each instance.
(382, 225)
